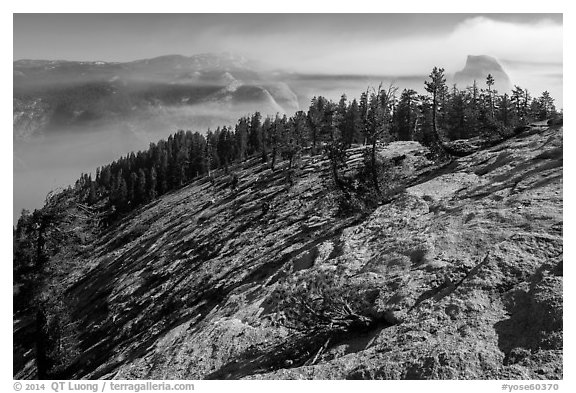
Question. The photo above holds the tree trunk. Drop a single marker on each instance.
(273, 158)
(313, 140)
(436, 135)
(373, 165)
(335, 174)
(42, 363)
(434, 104)
(491, 103)
(40, 245)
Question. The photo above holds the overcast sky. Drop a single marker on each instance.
(529, 45)
(298, 40)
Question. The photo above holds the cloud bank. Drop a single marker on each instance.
(535, 42)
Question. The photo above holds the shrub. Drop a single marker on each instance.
(324, 300)
(556, 121)
(357, 192)
(389, 178)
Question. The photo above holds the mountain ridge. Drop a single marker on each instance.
(50, 96)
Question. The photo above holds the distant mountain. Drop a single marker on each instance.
(59, 95)
(477, 69)
(165, 68)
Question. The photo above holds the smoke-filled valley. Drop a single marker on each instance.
(71, 117)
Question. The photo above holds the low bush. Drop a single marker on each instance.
(325, 300)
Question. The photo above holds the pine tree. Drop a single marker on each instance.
(255, 134)
(152, 184)
(546, 103)
(301, 130)
(92, 197)
(352, 132)
(224, 148)
(337, 154)
(436, 86)
(241, 137)
(212, 158)
(163, 173)
(490, 83)
(141, 196)
(404, 117)
(106, 177)
(364, 114)
(526, 102)
(423, 127)
(455, 117)
(290, 147)
(517, 96)
(378, 126)
(119, 194)
(266, 139)
(317, 121)
(472, 111)
(504, 114)
(521, 99)
(131, 185)
(275, 132)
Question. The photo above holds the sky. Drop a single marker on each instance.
(528, 45)
(339, 43)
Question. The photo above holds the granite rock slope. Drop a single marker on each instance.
(460, 275)
(479, 292)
